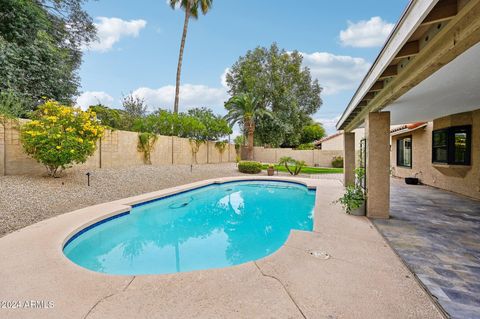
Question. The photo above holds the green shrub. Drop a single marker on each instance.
(306, 146)
(60, 136)
(312, 133)
(249, 167)
(337, 162)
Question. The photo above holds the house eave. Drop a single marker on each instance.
(412, 17)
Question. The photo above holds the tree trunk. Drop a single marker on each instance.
(251, 130)
(180, 57)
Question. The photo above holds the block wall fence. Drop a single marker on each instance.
(321, 158)
(117, 149)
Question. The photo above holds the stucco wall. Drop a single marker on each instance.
(115, 149)
(320, 158)
(460, 179)
(336, 143)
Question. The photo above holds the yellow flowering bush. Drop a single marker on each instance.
(60, 136)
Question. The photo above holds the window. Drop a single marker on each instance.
(440, 146)
(452, 145)
(404, 151)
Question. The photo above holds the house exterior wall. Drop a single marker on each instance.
(336, 143)
(333, 144)
(460, 179)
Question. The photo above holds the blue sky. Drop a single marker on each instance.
(139, 41)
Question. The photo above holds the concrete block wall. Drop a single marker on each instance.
(15, 161)
(116, 149)
(320, 158)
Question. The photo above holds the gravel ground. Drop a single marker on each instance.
(25, 200)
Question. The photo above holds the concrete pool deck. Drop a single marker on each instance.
(358, 277)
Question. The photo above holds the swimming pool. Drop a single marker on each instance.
(213, 226)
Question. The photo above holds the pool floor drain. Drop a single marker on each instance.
(319, 254)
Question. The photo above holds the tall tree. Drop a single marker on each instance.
(216, 126)
(245, 109)
(135, 106)
(40, 47)
(191, 8)
(277, 79)
(312, 133)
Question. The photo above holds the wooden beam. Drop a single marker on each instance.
(444, 10)
(369, 96)
(390, 71)
(362, 103)
(409, 49)
(458, 36)
(377, 86)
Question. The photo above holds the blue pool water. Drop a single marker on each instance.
(210, 227)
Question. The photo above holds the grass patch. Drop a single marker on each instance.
(309, 170)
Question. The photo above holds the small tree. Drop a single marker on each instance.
(134, 108)
(221, 146)
(12, 106)
(59, 136)
(216, 126)
(134, 105)
(114, 119)
(146, 144)
(195, 131)
(195, 147)
(288, 161)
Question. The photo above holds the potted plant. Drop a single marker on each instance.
(270, 169)
(353, 201)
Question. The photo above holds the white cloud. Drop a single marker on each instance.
(335, 72)
(365, 34)
(190, 96)
(89, 98)
(329, 123)
(111, 30)
(223, 78)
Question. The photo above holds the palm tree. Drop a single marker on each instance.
(191, 8)
(245, 109)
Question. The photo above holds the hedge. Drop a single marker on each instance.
(337, 162)
(249, 167)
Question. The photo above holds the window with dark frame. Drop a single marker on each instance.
(404, 151)
(452, 145)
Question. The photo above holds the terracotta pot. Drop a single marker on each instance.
(270, 171)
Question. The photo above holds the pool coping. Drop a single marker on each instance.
(33, 265)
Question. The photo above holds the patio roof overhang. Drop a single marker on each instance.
(432, 50)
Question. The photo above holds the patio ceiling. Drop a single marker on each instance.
(429, 36)
(452, 89)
